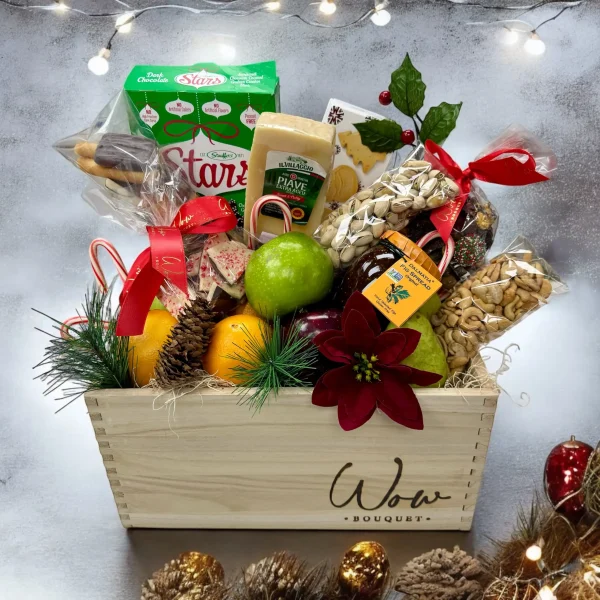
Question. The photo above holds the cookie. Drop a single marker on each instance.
(85, 149)
(90, 166)
(358, 152)
(343, 184)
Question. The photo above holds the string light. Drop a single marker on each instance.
(327, 7)
(546, 593)
(125, 22)
(377, 13)
(534, 553)
(535, 45)
(98, 64)
(381, 16)
(60, 6)
(510, 36)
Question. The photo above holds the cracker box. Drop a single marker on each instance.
(355, 166)
(203, 116)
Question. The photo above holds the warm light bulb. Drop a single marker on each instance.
(98, 64)
(535, 45)
(227, 51)
(124, 22)
(381, 17)
(327, 7)
(60, 6)
(546, 593)
(534, 553)
(510, 36)
(273, 5)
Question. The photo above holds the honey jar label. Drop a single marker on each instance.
(401, 290)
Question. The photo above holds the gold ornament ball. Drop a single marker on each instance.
(364, 570)
(202, 569)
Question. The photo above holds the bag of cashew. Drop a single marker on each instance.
(497, 296)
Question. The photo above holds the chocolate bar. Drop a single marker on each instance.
(125, 152)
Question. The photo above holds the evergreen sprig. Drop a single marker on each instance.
(272, 361)
(91, 357)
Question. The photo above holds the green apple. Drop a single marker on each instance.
(286, 273)
(428, 355)
(157, 305)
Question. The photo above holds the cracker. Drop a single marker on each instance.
(358, 152)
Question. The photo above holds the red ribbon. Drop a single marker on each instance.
(165, 258)
(209, 131)
(499, 166)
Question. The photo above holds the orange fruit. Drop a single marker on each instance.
(144, 348)
(245, 309)
(230, 337)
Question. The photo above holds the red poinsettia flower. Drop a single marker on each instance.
(372, 376)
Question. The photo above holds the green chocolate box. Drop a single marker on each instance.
(203, 117)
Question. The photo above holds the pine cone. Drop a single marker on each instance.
(279, 577)
(180, 360)
(172, 583)
(441, 575)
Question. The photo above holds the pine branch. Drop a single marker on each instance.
(272, 361)
(92, 357)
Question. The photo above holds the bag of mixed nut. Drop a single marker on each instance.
(497, 296)
(386, 205)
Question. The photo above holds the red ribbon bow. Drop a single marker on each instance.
(499, 166)
(195, 127)
(165, 258)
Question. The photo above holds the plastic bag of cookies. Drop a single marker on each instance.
(388, 204)
(497, 296)
(129, 180)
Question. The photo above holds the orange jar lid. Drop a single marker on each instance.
(412, 251)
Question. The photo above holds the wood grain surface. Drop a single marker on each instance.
(204, 461)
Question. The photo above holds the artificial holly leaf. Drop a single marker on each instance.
(439, 122)
(380, 135)
(407, 88)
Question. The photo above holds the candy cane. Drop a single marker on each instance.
(100, 278)
(448, 249)
(66, 325)
(268, 199)
(97, 269)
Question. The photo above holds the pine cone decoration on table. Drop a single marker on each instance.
(441, 575)
(278, 577)
(175, 581)
(180, 360)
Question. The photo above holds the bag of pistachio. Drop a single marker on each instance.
(388, 204)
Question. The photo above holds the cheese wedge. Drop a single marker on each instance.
(291, 157)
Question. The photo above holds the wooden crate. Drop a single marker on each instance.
(216, 465)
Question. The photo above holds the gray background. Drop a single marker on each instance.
(60, 535)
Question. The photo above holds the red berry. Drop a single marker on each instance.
(385, 98)
(408, 136)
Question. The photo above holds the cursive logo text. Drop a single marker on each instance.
(391, 499)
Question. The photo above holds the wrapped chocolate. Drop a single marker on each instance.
(133, 184)
(387, 205)
(129, 181)
(497, 296)
(515, 158)
(473, 232)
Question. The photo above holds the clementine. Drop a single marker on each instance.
(144, 348)
(245, 309)
(231, 336)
